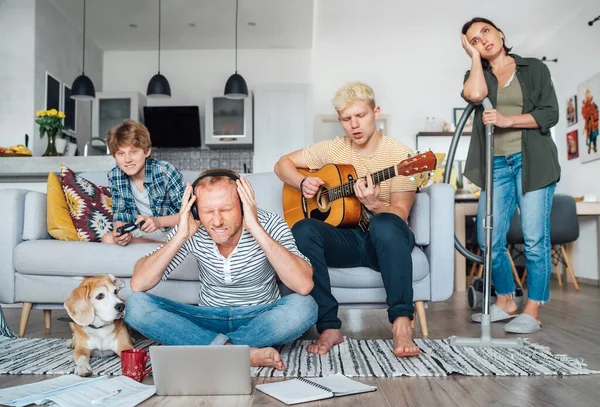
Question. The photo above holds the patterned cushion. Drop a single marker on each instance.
(90, 205)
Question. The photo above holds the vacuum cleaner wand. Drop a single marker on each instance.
(486, 339)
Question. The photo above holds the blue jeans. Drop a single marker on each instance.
(534, 207)
(173, 323)
(386, 247)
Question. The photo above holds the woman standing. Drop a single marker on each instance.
(526, 167)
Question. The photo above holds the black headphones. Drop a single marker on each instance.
(213, 173)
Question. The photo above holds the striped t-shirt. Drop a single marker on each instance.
(341, 150)
(246, 277)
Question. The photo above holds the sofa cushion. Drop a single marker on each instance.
(59, 258)
(34, 222)
(90, 205)
(59, 223)
(364, 277)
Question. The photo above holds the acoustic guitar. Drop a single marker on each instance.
(335, 202)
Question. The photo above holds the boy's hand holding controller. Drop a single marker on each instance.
(148, 223)
(121, 239)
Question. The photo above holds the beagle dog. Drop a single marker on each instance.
(97, 324)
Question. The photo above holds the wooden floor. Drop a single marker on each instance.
(571, 326)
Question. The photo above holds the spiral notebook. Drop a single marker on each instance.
(302, 389)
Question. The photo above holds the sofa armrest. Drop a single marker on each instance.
(440, 250)
(12, 208)
(35, 225)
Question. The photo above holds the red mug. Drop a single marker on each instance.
(133, 363)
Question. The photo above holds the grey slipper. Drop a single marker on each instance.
(523, 324)
(496, 314)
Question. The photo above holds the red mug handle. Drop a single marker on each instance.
(146, 359)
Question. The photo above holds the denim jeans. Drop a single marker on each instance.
(173, 323)
(534, 207)
(386, 247)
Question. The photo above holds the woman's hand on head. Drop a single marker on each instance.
(469, 49)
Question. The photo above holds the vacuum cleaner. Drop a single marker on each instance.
(485, 340)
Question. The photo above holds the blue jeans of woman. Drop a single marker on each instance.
(534, 207)
(173, 323)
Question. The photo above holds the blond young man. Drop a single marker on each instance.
(142, 189)
(386, 245)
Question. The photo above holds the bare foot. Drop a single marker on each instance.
(267, 357)
(403, 343)
(328, 338)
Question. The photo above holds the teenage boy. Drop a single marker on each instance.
(143, 189)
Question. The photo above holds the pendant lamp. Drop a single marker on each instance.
(236, 87)
(159, 87)
(82, 87)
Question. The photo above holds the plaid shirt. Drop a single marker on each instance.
(163, 182)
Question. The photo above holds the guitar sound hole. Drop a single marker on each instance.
(322, 199)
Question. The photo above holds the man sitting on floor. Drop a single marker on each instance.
(240, 250)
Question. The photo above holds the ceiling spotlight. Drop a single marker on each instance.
(133, 25)
(191, 25)
(252, 24)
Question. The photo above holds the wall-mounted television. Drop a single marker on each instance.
(173, 126)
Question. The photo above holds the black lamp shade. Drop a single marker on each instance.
(83, 88)
(159, 87)
(236, 87)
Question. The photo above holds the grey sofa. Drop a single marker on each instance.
(40, 272)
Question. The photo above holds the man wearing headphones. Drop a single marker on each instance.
(240, 250)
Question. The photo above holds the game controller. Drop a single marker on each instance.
(130, 227)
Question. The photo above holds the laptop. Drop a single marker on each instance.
(201, 370)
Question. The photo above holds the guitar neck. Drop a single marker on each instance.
(348, 188)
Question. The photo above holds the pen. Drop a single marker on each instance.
(114, 393)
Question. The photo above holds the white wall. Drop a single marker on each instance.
(58, 47)
(17, 20)
(576, 47)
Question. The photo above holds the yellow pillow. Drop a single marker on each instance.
(60, 225)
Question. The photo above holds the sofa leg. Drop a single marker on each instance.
(25, 311)
(47, 319)
(420, 306)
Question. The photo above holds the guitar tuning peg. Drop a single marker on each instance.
(431, 173)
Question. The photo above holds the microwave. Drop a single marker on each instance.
(229, 122)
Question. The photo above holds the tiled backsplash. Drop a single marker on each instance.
(196, 159)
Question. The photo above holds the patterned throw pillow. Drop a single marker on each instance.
(90, 205)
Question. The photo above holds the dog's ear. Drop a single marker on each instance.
(117, 281)
(78, 306)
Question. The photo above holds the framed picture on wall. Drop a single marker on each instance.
(70, 109)
(587, 127)
(572, 145)
(572, 110)
(52, 96)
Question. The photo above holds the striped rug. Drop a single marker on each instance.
(353, 358)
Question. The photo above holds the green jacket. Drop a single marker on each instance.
(539, 155)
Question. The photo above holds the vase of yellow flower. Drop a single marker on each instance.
(51, 123)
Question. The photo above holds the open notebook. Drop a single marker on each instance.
(302, 389)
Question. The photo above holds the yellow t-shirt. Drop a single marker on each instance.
(341, 150)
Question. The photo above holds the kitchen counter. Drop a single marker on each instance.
(31, 169)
